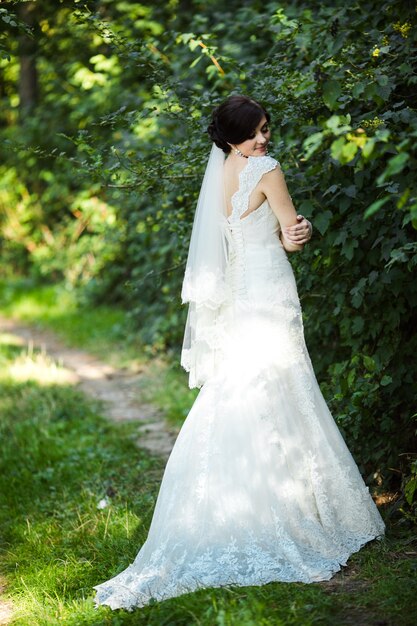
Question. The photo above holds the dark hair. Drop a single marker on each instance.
(234, 120)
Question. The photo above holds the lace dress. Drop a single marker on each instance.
(260, 485)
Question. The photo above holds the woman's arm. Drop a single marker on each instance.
(274, 187)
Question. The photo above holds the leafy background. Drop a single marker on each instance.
(104, 106)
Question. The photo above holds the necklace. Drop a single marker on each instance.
(239, 153)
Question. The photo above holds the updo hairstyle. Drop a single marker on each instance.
(234, 120)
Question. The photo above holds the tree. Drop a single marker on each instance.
(28, 79)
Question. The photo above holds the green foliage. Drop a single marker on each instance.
(408, 502)
(356, 179)
(103, 173)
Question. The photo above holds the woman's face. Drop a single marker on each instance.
(258, 140)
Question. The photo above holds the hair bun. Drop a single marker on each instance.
(216, 136)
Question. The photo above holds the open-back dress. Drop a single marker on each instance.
(260, 485)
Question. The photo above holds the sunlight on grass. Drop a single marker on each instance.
(102, 330)
(12, 340)
(41, 369)
(34, 365)
(59, 461)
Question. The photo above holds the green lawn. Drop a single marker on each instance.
(104, 331)
(60, 458)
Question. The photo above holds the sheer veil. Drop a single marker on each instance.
(204, 286)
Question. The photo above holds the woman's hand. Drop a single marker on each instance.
(300, 233)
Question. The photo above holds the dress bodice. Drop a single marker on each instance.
(259, 227)
(249, 177)
(256, 255)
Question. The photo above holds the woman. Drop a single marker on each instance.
(260, 485)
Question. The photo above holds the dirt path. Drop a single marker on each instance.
(5, 607)
(118, 389)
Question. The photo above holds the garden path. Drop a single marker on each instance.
(6, 609)
(117, 388)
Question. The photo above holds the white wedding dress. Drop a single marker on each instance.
(260, 485)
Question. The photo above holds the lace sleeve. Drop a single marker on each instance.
(248, 179)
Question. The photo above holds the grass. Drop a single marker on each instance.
(103, 331)
(60, 458)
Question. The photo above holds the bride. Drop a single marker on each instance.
(260, 485)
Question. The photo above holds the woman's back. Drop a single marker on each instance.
(233, 171)
(260, 486)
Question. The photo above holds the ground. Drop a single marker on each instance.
(356, 596)
(117, 388)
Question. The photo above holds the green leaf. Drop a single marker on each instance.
(367, 149)
(357, 292)
(358, 90)
(382, 134)
(348, 248)
(375, 206)
(331, 92)
(386, 380)
(351, 378)
(312, 143)
(395, 165)
(383, 78)
(410, 490)
(348, 151)
(370, 91)
(322, 221)
(332, 189)
(196, 60)
(333, 122)
(344, 204)
(357, 325)
(339, 124)
(336, 149)
(306, 208)
(351, 191)
(369, 363)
